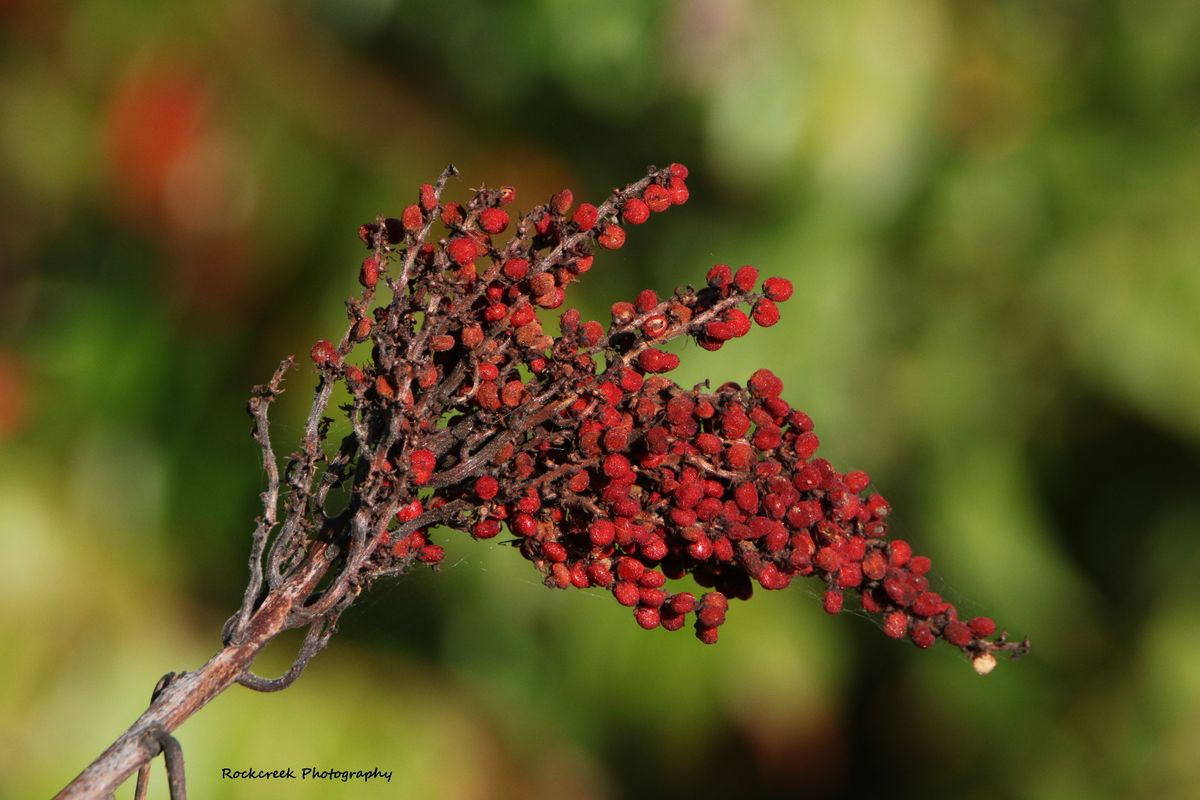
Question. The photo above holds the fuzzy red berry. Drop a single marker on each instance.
(368, 275)
(895, 624)
(766, 313)
(523, 525)
(655, 361)
(677, 191)
(516, 268)
(777, 289)
(412, 219)
(626, 593)
(957, 633)
(428, 197)
(720, 276)
(764, 383)
(612, 237)
(616, 466)
(461, 250)
(486, 529)
(745, 278)
(493, 220)
(486, 487)
(646, 617)
(601, 532)
(323, 353)
(656, 197)
(586, 216)
(431, 554)
(561, 203)
(982, 627)
(832, 601)
(422, 463)
(635, 211)
(899, 552)
(922, 635)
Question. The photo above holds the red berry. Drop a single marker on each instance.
(522, 316)
(409, 512)
(655, 549)
(523, 525)
(486, 487)
(601, 532)
(922, 635)
(927, 604)
(669, 621)
(627, 593)
(651, 597)
(599, 574)
(745, 278)
(646, 300)
(516, 268)
(646, 617)
(631, 381)
(422, 463)
(778, 289)
(874, 566)
(635, 211)
(368, 276)
(957, 633)
(656, 197)
(493, 220)
(682, 603)
(431, 554)
(586, 216)
(412, 219)
(355, 378)
(486, 529)
(720, 276)
(899, 552)
(612, 238)
(428, 197)
(701, 549)
(982, 627)
(766, 313)
(764, 383)
(857, 480)
(656, 361)
(616, 466)
(677, 191)
(561, 202)
(895, 624)
(832, 601)
(323, 353)
(461, 250)
(678, 170)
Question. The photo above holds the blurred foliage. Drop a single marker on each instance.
(990, 213)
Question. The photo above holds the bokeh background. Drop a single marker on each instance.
(992, 214)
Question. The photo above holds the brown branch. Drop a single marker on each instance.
(191, 691)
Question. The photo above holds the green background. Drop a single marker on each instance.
(991, 212)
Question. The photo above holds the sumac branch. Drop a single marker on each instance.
(467, 415)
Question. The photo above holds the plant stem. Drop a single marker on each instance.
(191, 691)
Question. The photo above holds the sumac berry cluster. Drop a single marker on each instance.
(606, 473)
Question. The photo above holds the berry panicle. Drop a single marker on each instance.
(606, 472)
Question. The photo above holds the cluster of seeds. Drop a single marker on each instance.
(604, 471)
